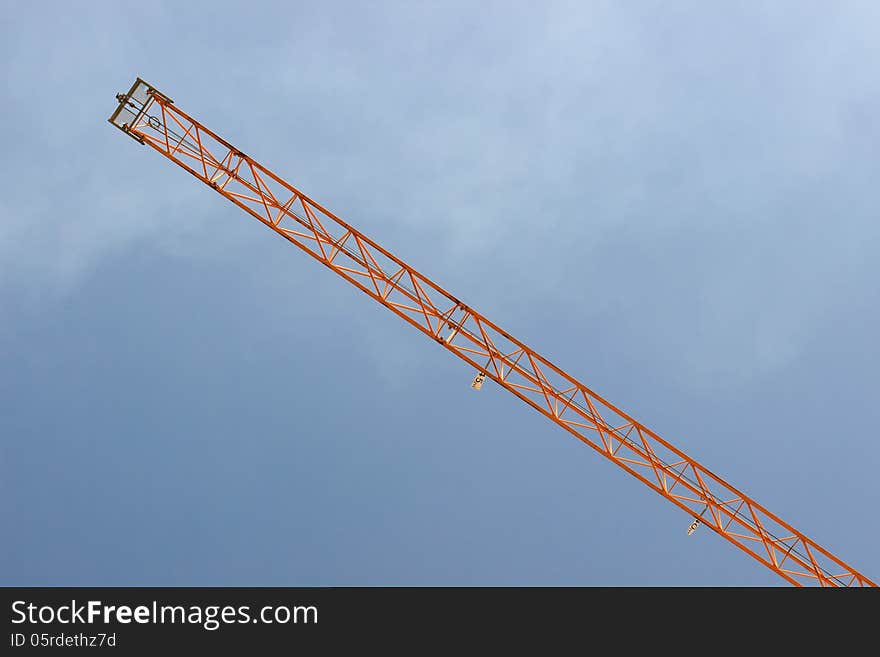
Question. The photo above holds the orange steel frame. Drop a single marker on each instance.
(460, 329)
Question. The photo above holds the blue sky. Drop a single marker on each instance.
(675, 202)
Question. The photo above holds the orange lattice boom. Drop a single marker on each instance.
(151, 118)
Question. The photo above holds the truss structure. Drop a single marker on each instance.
(152, 118)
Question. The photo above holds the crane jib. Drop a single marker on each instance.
(151, 118)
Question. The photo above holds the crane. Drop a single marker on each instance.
(151, 118)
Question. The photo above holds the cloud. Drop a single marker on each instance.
(624, 163)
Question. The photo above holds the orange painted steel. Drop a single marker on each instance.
(154, 120)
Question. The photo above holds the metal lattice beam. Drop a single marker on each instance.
(152, 119)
